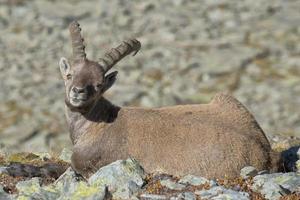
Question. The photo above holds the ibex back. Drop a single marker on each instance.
(211, 140)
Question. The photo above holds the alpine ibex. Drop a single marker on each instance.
(211, 140)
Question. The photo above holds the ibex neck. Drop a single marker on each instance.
(102, 112)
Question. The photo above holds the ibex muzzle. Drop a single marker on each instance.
(211, 140)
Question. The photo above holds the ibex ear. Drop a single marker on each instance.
(109, 80)
(64, 67)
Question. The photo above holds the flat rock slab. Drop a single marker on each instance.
(219, 193)
(273, 186)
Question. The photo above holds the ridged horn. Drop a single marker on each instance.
(116, 54)
(77, 41)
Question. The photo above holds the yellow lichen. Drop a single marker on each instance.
(23, 157)
(22, 197)
(83, 190)
(282, 179)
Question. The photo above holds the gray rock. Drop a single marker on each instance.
(3, 170)
(68, 185)
(152, 197)
(124, 178)
(262, 172)
(67, 177)
(193, 180)
(30, 188)
(65, 155)
(290, 158)
(221, 193)
(248, 171)
(4, 195)
(172, 185)
(82, 190)
(273, 186)
(298, 166)
(184, 196)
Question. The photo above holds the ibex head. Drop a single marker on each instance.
(86, 80)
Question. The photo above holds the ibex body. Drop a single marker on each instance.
(211, 140)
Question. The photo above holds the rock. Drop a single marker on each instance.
(67, 177)
(298, 166)
(3, 170)
(184, 196)
(262, 172)
(273, 186)
(194, 180)
(219, 193)
(69, 186)
(248, 171)
(65, 155)
(290, 158)
(25, 157)
(4, 195)
(124, 178)
(82, 190)
(152, 197)
(43, 155)
(30, 188)
(172, 185)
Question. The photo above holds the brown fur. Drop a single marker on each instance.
(211, 140)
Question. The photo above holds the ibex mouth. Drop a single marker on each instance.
(78, 100)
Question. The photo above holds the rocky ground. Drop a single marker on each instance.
(190, 51)
(126, 179)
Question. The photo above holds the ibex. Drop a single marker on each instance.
(211, 140)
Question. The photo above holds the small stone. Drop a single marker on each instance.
(152, 197)
(172, 185)
(43, 155)
(82, 190)
(298, 165)
(248, 171)
(185, 196)
(65, 155)
(263, 172)
(68, 176)
(124, 178)
(290, 158)
(29, 188)
(219, 192)
(4, 195)
(3, 170)
(193, 180)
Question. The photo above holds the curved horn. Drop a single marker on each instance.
(77, 41)
(116, 54)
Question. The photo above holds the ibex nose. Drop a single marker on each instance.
(78, 90)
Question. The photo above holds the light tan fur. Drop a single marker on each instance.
(212, 140)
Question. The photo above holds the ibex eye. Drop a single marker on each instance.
(69, 76)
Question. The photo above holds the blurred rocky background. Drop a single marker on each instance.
(191, 49)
